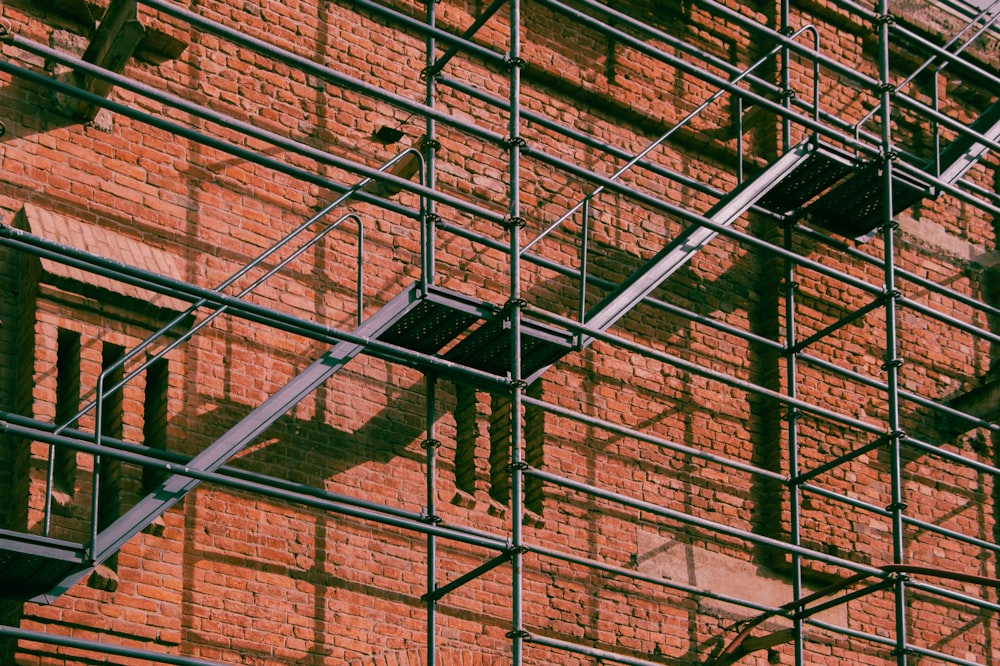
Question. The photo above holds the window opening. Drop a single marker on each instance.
(109, 488)
(67, 406)
(154, 427)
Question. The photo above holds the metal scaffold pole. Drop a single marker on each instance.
(515, 304)
(428, 205)
(428, 215)
(792, 414)
(431, 445)
(892, 359)
(791, 368)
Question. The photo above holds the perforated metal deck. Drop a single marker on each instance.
(32, 565)
(488, 347)
(434, 320)
(821, 170)
(856, 206)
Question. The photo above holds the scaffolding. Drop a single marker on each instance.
(825, 208)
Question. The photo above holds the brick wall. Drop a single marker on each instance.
(240, 577)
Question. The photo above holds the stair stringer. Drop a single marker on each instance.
(691, 240)
(234, 440)
(954, 168)
(856, 207)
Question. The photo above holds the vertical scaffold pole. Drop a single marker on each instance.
(892, 360)
(427, 219)
(431, 446)
(515, 305)
(794, 492)
(428, 215)
(791, 368)
(786, 78)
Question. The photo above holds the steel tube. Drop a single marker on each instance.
(904, 395)
(601, 655)
(178, 459)
(251, 312)
(791, 382)
(437, 66)
(205, 113)
(609, 285)
(427, 268)
(515, 305)
(697, 369)
(703, 523)
(610, 426)
(427, 30)
(901, 273)
(41, 435)
(102, 648)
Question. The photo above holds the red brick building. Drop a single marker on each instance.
(381, 333)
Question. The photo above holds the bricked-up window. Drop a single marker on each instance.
(67, 406)
(154, 426)
(500, 438)
(109, 489)
(466, 434)
(534, 449)
(500, 448)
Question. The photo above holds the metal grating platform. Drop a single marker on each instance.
(434, 321)
(820, 171)
(31, 565)
(488, 347)
(856, 206)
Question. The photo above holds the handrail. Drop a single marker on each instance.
(987, 11)
(102, 393)
(670, 132)
(98, 403)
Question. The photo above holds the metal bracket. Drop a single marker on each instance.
(792, 415)
(892, 363)
(511, 63)
(516, 222)
(442, 590)
(519, 466)
(882, 19)
(512, 141)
